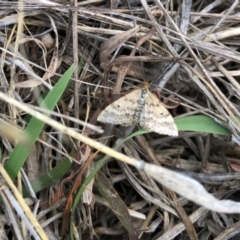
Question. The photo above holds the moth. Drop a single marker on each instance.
(143, 107)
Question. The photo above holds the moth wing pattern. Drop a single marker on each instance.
(156, 118)
(122, 110)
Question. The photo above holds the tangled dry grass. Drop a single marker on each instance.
(186, 50)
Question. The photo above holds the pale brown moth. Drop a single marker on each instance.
(143, 107)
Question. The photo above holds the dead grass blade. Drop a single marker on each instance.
(77, 183)
(23, 210)
(116, 204)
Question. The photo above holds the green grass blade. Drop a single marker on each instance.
(196, 123)
(46, 180)
(35, 126)
(200, 123)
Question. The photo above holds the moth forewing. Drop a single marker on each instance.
(122, 111)
(156, 118)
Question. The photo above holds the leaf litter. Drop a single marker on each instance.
(184, 49)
